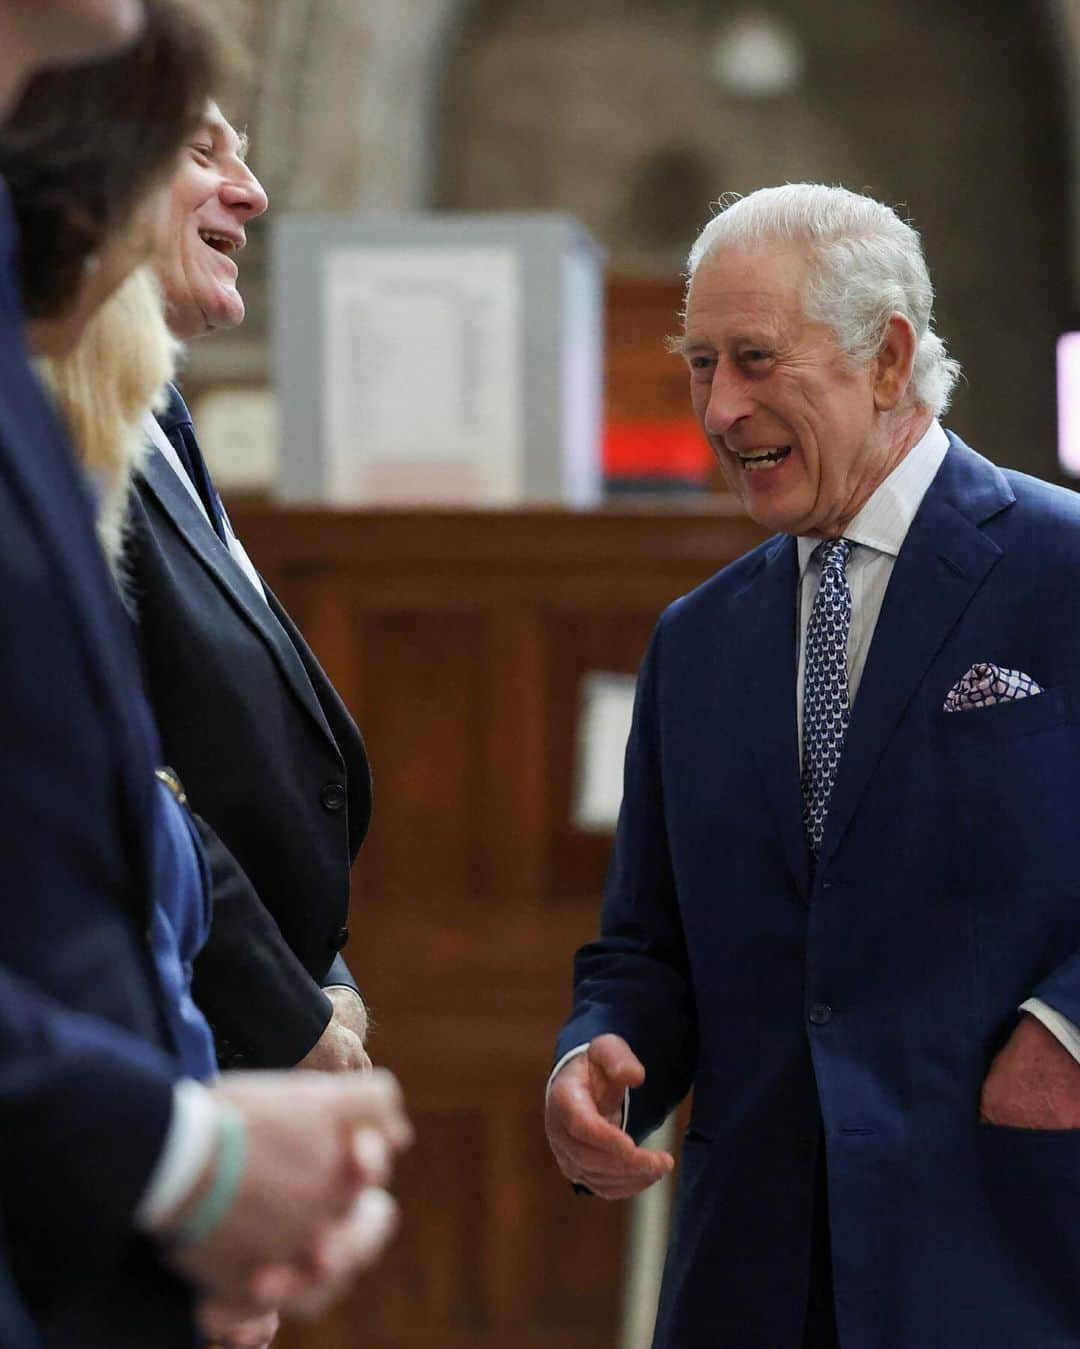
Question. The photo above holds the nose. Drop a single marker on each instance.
(242, 192)
(729, 401)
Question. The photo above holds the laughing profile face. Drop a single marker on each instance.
(213, 196)
(793, 425)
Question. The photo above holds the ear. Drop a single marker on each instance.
(892, 365)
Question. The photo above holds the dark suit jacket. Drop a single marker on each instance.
(874, 994)
(272, 762)
(85, 1061)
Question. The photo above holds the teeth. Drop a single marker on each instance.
(764, 459)
(217, 241)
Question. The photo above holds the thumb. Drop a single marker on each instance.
(613, 1066)
(374, 1100)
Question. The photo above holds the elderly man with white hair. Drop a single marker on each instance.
(842, 906)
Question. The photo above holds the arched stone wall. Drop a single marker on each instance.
(341, 99)
(957, 107)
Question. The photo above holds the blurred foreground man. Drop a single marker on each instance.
(842, 905)
(125, 1191)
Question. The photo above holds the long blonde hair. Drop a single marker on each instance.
(117, 372)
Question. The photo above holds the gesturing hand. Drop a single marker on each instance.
(583, 1121)
(1033, 1082)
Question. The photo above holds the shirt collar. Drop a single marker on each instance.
(884, 521)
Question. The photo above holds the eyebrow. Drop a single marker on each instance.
(683, 345)
(217, 128)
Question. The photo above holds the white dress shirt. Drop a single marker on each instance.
(879, 529)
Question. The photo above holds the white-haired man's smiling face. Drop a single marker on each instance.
(803, 437)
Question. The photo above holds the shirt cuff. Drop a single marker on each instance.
(572, 1054)
(348, 989)
(1059, 1026)
(189, 1145)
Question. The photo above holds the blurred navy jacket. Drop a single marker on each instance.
(87, 1059)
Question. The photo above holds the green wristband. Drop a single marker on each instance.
(228, 1169)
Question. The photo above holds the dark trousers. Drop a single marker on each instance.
(820, 1332)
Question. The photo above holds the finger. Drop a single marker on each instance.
(628, 1154)
(353, 1247)
(375, 1100)
(611, 1190)
(603, 1157)
(577, 1169)
(373, 1157)
(582, 1123)
(643, 1163)
(269, 1287)
(613, 1067)
(356, 1248)
(358, 1242)
(254, 1333)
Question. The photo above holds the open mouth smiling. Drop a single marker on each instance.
(220, 243)
(753, 461)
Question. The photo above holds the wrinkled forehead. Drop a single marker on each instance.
(758, 280)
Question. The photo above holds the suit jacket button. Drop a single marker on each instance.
(332, 797)
(821, 1014)
(338, 940)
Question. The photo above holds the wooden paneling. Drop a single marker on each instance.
(644, 382)
(459, 640)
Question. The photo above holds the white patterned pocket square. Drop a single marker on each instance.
(985, 685)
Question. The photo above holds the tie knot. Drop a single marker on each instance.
(833, 554)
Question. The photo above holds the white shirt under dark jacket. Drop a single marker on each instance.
(880, 529)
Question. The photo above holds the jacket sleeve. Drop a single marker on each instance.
(265, 1009)
(84, 1111)
(634, 980)
(1061, 990)
(340, 976)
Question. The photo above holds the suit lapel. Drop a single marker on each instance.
(198, 536)
(765, 617)
(944, 560)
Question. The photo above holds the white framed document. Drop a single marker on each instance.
(421, 380)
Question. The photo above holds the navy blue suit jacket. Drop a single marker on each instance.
(860, 1010)
(86, 1064)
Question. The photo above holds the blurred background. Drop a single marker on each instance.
(473, 644)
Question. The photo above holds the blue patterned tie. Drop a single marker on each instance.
(176, 422)
(826, 704)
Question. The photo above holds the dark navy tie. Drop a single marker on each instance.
(826, 703)
(176, 422)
